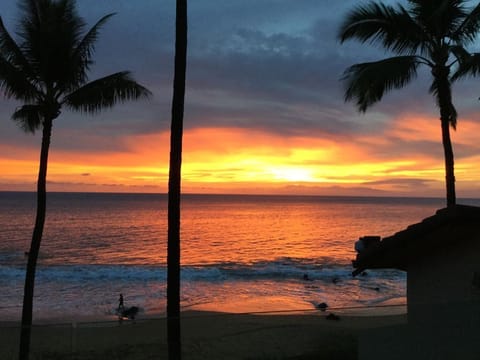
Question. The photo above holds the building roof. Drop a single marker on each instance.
(450, 226)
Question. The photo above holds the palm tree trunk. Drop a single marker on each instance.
(174, 185)
(447, 118)
(449, 164)
(35, 244)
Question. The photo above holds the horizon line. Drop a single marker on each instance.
(243, 194)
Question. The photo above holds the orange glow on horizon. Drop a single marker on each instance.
(236, 160)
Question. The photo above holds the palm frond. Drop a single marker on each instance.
(30, 18)
(85, 47)
(366, 83)
(82, 54)
(28, 117)
(439, 18)
(49, 34)
(468, 65)
(30, 9)
(12, 52)
(460, 53)
(105, 93)
(468, 30)
(393, 28)
(15, 83)
(453, 116)
(449, 16)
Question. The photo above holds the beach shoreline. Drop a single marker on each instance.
(241, 304)
(205, 335)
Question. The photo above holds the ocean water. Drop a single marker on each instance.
(239, 253)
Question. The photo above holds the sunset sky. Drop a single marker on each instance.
(264, 110)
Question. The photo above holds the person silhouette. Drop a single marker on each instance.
(120, 309)
(121, 306)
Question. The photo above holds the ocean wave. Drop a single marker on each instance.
(280, 269)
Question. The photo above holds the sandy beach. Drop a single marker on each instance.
(205, 335)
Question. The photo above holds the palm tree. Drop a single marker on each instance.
(174, 184)
(47, 71)
(432, 33)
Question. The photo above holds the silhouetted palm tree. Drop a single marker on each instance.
(47, 71)
(433, 33)
(174, 184)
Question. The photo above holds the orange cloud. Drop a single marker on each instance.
(229, 159)
(413, 127)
